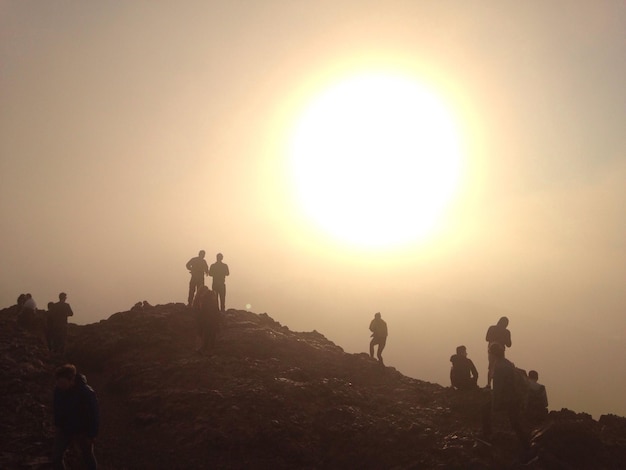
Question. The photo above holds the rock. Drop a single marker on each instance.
(264, 397)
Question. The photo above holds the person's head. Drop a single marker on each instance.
(28, 296)
(65, 376)
(533, 375)
(50, 305)
(201, 253)
(503, 322)
(496, 350)
(62, 296)
(461, 350)
(377, 315)
(220, 257)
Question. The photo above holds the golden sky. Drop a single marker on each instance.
(133, 134)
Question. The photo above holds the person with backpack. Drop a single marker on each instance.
(60, 314)
(537, 401)
(498, 334)
(463, 374)
(378, 327)
(198, 268)
(76, 416)
(507, 396)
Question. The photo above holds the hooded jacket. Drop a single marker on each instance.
(76, 410)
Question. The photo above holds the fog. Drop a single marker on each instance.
(134, 134)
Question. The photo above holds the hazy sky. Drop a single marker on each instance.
(133, 134)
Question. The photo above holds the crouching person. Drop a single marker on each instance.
(463, 374)
(76, 416)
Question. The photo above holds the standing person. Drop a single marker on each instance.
(378, 327)
(498, 334)
(505, 396)
(60, 313)
(218, 271)
(76, 416)
(463, 374)
(198, 268)
(537, 406)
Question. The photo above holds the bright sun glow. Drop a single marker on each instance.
(376, 159)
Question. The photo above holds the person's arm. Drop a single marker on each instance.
(211, 270)
(226, 271)
(69, 311)
(94, 415)
(544, 396)
(189, 264)
(206, 268)
(473, 370)
(508, 339)
(488, 335)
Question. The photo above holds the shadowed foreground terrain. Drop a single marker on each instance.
(266, 397)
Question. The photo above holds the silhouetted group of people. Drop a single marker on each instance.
(207, 303)
(513, 392)
(53, 321)
(198, 268)
(26, 310)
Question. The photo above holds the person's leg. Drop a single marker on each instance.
(515, 418)
(61, 339)
(381, 346)
(192, 291)
(489, 370)
(221, 296)
(372, 343)
(61, 442)
(86, 449)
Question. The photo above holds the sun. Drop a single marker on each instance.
(376, 160)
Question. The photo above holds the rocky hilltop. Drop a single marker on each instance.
(265, 397)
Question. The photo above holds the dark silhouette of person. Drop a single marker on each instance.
(28, 312)
(49, 326)
(208, 318)
(218, 271)
(498, 334)
(463, 374)
(504, 397)
(198, 268)
(20, 304)
(537, 401)
(76, 416)
(60, 313)
(378, 327)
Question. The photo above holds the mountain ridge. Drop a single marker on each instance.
(265, 397)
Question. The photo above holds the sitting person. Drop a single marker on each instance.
(537, 405)
(463, 375)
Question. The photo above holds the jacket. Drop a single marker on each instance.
(76, 410)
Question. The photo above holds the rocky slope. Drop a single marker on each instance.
(265, 397)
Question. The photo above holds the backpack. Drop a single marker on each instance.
(521, 386)
(536, 400)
